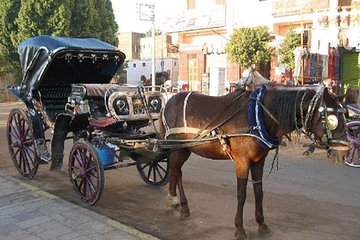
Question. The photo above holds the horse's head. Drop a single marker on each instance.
(328, 123)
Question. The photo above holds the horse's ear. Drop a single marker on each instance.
(341, 98)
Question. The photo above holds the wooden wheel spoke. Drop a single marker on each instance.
(22, 127)
(23, 160)
(154, 173)
(78, 158)
(28, 156)
(144, 166)
(84, 187)
(15, 130)
(27, 160)
(158, 171)
(149, 171)
(80, 184)
(16, 153)
(91, 185)
(161, 167)
(30, 149)
(93, 173)
(75, 172)
(26, 132)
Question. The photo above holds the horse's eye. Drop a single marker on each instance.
(332, 122)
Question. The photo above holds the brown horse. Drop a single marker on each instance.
(243, 126)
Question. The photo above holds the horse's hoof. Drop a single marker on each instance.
(173, 201)
(184, 214)
(264, 231)
(241, 235)
(306, 153)
(175, 206)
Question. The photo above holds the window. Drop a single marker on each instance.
(193, 72)
(134, 65)
(143, 64)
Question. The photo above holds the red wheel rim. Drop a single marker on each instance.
(21, 144)
(86, 173)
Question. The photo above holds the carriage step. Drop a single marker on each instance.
(41, 150)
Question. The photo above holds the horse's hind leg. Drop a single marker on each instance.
(257, 176)
(177, 159)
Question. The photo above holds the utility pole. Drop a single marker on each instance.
(147, 13)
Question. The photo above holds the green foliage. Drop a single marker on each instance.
(93, 18)
(106, 18)
(8, 57)
(292, 40)
(22, 19)
(42, 17)
(248, 46)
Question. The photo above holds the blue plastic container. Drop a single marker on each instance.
(106, 155)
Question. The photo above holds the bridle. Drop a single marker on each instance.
(327, 117)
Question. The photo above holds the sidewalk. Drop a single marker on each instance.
(27, 212)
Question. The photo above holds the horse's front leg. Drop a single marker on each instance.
(257, 177)
(177, 159)
(242, 172)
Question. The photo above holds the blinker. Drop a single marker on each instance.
(332, 122)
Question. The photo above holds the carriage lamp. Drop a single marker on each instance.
(121, 104)
(154, 104)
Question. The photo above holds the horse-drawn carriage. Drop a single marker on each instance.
(66, 90)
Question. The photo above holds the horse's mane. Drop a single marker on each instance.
(283, 102)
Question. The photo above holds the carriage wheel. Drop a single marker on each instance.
(21, 144)
(154, 172)
(86, 172)
(353, 135)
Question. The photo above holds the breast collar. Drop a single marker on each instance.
(257, 120)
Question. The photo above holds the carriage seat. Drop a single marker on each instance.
(102, 122)
(54, 100)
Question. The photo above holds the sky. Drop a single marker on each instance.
(126, 14)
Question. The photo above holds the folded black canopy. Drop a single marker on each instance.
(45, 59)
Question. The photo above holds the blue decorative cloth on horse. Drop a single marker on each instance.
(257, 120)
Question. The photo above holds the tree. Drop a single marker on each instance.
(22, 19)
(83, 18)
(39, 17)
(248, 46)
(9, 10)
(285, 52)
(93, 18)
(108, 26)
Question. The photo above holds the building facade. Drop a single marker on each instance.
(139, 53)
(129, 43)
(329, 29)
(202, 29)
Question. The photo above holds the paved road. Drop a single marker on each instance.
(307, 198)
